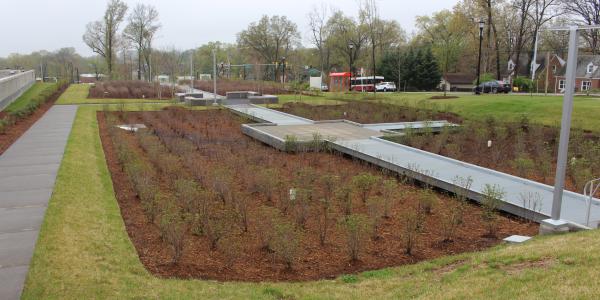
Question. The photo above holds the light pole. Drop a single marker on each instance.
(351, 47)
(214, 53)
(481, 25)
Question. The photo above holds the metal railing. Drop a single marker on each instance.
(590, 189)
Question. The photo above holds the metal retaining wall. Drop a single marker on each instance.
(12, 87)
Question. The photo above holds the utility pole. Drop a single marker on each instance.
(547, 73)
(214, 53)
(534, 64)
(192, 72)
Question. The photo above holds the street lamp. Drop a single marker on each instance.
(481, 25)
(351, 47)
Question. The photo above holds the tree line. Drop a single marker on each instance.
(271, 47)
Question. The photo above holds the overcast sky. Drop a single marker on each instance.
(31, 25)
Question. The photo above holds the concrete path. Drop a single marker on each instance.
(362, 141)
(262, 114)
(27, 174)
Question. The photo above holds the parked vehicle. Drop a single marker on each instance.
(493, 87)
(386, 87)
(324, 88)
(366, 83)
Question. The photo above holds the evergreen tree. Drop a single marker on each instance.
(428, 73)
(388, 66)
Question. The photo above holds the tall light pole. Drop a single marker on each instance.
(397, 45)
(481, 25)
(192, 72)
(351, 47)
(214, 53)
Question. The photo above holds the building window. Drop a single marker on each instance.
(590, 68)
(586, 85)
(554, 69)
(561, 85)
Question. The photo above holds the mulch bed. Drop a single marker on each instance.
(14, 132)
(254, 264)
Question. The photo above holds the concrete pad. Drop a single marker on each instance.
(335, 130)
(14, 220)
(13, 280)
(16, 248)
(517, 239)
(26, 198)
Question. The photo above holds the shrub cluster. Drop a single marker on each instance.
(32, 104)
(133, 89)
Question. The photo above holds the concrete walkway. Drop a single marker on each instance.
(364, 142)
(27, 174)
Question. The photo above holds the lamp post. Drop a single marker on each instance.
(351, 47)
(481, 25)
(397, 45)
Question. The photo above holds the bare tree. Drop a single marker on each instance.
(317, 20)
(523, 7)
(542, 12)
(101, 36)
(143, 25)
(270, 38)
(370, 16)
(588, 12)
(344, 31)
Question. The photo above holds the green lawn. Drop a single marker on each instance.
(84, 252)
(77, 94)
(28, 96)
(543, 109)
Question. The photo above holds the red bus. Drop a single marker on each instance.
(365, 84)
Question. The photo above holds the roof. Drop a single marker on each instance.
(582, 63)
(340, 74)
(459, 78)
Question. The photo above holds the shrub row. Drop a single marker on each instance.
(130, 90)
(32, 104)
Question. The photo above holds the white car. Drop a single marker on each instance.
(386, 87)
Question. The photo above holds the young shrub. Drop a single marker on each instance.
(412, 226)
(492, 195)
(450, 221)
(462, 186)
(344, 197)
(427, 200)
(291, 144)
(231, 246)
(222, 184)
(524, 165)
(172, 229)
(216, 225)
(317, 144)
(153, 206)
(375, 209)
(266, 183)
(286, 242)
(187, 191)
(241, 204)
(304, 198)
(533, 203)
(389, 192)
(356, 229)
(265, 223)
(363, 184)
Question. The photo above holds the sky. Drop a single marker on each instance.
(31, 25)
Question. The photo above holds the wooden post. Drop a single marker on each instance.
(547, 73)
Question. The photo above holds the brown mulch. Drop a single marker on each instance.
(316, 262)
(14, 132)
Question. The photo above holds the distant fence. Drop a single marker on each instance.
(11, 87)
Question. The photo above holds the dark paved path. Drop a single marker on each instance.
(27, 173)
